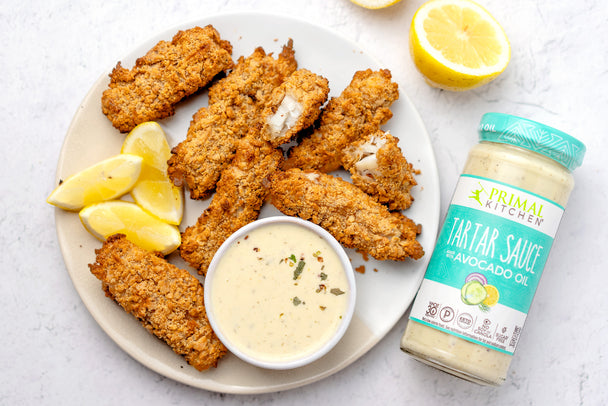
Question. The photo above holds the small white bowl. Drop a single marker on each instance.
(293, 361)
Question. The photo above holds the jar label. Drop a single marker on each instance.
(487, 262)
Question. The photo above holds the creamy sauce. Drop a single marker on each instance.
(518, 167)
(279, 293)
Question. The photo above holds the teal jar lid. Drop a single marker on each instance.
(537, 137)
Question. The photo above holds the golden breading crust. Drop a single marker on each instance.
(169, 72)
(235, 104)
(167, 300)
(208, 148)
(255, 76)
(361, 108)
(239, 196)
(354, 218)
(294, 106)
(378, 167)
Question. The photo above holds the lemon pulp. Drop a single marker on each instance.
(457, 44)
(154, 191)
(105, 180)
(141, 228)
(375, 4)
(492, 295)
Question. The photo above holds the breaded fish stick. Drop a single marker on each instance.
(239, 196)
(168, 301)
(169, 72)
(354, 218)
(235, 104)
(255, 76)
(208, 148)
(361, 108)
(378, 167)
(294, 106)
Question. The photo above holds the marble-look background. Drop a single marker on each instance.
(52, 350)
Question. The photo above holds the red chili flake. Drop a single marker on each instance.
(256, 249)
(320, 259)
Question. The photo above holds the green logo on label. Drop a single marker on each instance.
(476, 194)
(508, 203)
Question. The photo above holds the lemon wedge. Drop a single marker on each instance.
(457, 45)
(117, 216)
(105, 180)
(154, 191)
(375, 4)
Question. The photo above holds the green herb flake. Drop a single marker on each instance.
(323, 276)
(298, 270)
(336, 291)
(293, 258)
(316, 254)
(296, 301)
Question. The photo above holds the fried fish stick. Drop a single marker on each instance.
(169, 72)
(378, 167)
(235, 105)
(294, 106)
(238, 199)
(208, 148)
(255, 76)
(354, 218)
(361, 108)
(168, 301)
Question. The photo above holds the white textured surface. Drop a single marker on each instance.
(54, 353)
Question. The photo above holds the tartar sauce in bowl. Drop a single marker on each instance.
(280, 292)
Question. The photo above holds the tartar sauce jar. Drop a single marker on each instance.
(491, 250)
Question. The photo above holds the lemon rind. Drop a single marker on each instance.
(54, 197)
(473, 77)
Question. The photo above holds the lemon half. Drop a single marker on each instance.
(375, 4)
(105, 180)
(154, 191)
(141, 228)
(457, 44)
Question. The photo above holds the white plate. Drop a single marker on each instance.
(383, 296)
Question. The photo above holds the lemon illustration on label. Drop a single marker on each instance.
(492, 295)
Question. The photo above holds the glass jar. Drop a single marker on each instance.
(469, 312)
